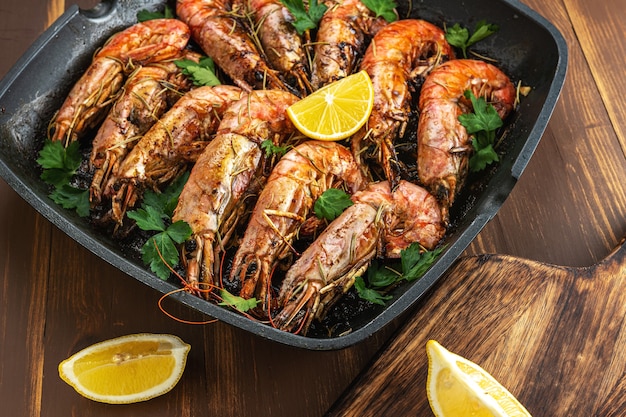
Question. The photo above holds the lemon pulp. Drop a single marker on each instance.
(335, 111)
(459, 387)
(126, 369)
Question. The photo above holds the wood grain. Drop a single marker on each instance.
(552, 335)
(601, 32)
(56, 298)
(24, 279)
(568, 209)
(574, 183)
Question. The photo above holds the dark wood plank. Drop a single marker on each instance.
(573, 185)
(552, 335)
(229, 372)
(557, 335)
(568, 208)
(49, 282)
(24, 248)
(601, 32)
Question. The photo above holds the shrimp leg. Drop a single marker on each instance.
(296, 181)
(230, 167)
(444, 146)
(93, 94)
(400, 54)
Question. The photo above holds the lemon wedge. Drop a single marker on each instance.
(126, 369)
(335, 111)
(457, 387)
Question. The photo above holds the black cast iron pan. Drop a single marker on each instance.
(527, 47)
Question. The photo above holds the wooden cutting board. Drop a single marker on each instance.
(554, 336)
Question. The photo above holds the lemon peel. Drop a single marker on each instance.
(126, 369)
(458, 387)
(335, 111)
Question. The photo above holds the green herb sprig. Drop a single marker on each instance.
(155, 215)
(270, 149)
(460, 37)
(305, 19)
(482, 125)
(331, 204)
(201, 73)
(59, 167)
(144, 15)
(413, 264)
(236, 302)
(383, 8)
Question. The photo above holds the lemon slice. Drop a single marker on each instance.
(457, 387)
(126, 369)
(335, 111)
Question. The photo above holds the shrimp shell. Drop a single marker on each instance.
(179, 137)
(341, 40)
(281, 43)
(93, 94)
(400, 53)
(146, 95)
(444, 146)
(222, 37)
(296, 181)
(382, 221)
(230, 167)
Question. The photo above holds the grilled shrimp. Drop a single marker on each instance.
(281, 43)
(161, 154)
(444, 145)
(229, 168)
(146, 95)
(216, 29)
(296, 181)
(341, 40)
(400, 54)
(381, 222)
(93, 94)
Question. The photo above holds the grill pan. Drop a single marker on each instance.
(527, 47)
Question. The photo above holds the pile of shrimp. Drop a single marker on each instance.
(146, 123)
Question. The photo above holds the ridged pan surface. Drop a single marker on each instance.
(527, 47)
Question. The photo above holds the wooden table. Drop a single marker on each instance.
(56, 297)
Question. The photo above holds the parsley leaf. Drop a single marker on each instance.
(59, 163)
(481, 31)
(155, 215)
(384, 8)
(159, 252)
(331, 204)
(59, 166)
(201, 73)
(413, 264)
(167, 200)
(167, 13)
(179, 231)
(305, 19)
(70, 198)
(239, 303)
(270, 149)
(148, 218)
(381, 276)
(370, 294)
(482, 124)
(460, 37)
